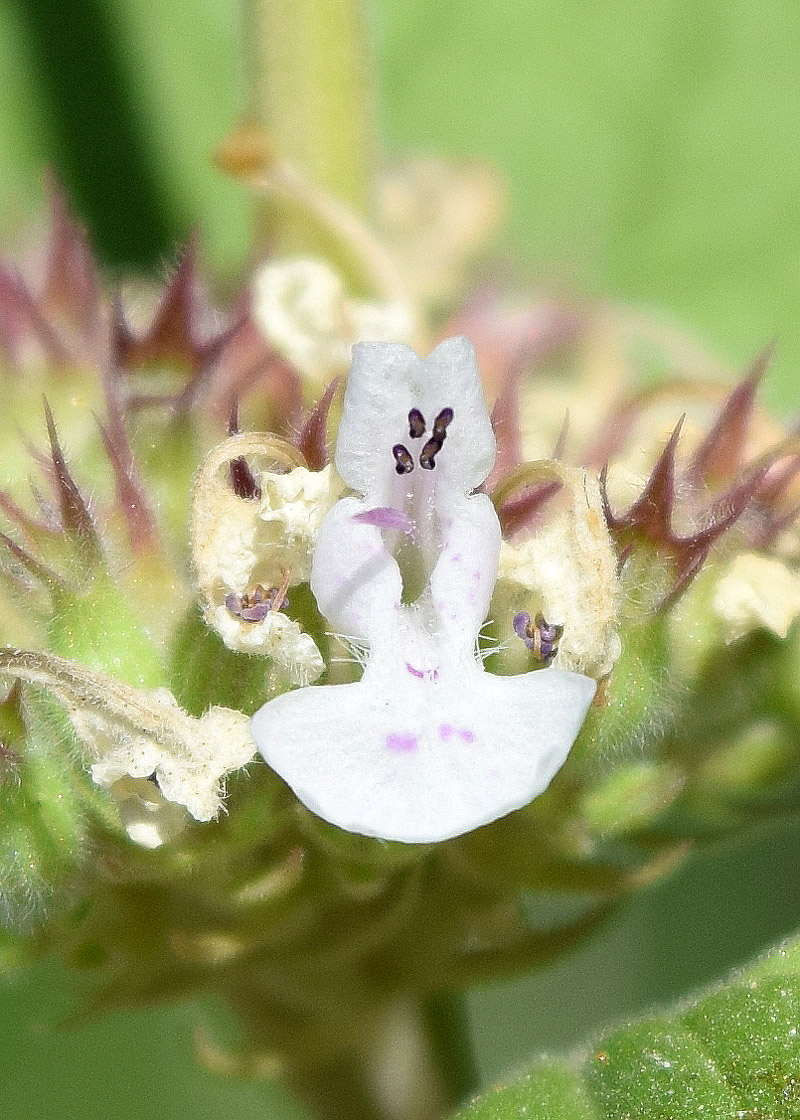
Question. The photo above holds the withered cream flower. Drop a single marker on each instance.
(427, 745)
(757, 592)
(252, 543)
(570, 572)
(303, 308)
(138, 733)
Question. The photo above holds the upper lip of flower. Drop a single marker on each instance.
(427, 745)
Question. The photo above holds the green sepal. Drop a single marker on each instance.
(631, 797)
(98, 627)
(168, 459)
(634, 708)
(43, 821)
(203, 672)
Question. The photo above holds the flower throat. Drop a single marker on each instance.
(417, 548)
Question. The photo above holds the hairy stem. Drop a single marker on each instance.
(310, 90)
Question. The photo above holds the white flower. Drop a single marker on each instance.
(427, 745)
(303, 309)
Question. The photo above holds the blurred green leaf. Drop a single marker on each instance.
(184, 68)
(732, 1053)
(24, 138)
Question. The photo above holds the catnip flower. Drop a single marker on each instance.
(133, 733)
(569, 571)
(427, 745)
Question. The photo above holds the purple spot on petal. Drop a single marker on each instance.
(423, 674)
(447, 731)
(384, 517)
(456, 557)
(401, 741)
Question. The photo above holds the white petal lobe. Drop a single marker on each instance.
(423, 762)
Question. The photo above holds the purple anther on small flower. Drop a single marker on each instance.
(416, 424)
(257, 604)
(522, 625)
(540, 637)
(257, 613)
(403, 463)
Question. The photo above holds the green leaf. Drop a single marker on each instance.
(554, 1088)
(731, 1053)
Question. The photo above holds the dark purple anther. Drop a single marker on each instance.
(243, 481)
(427, 457)
(416, 424)
(522, 625)
(234, 604)
(540, 637)
(403, 463)
(256, 613)
(442, 422)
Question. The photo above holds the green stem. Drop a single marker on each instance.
(310, 89)
(414, 1062)
(445, 1014)
(335, 1091)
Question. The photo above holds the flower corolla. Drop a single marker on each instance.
(568, 571)
(427, 745)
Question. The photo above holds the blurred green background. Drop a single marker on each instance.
(652, 153)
